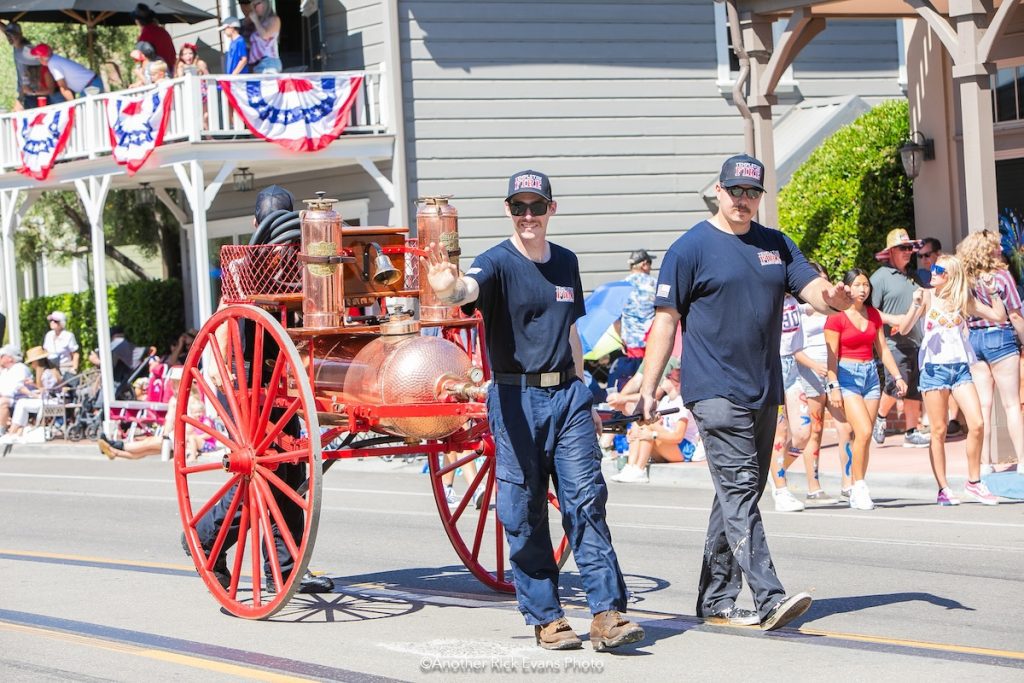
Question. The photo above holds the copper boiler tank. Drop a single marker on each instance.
(323, 277)
(437, 221)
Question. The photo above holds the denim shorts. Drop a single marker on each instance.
(789, 372)
(813, 385)
(992, 344)
(859, 378)
(935, 376)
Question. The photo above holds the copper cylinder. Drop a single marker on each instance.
(437, 221)
(323, 284)
(394, 370)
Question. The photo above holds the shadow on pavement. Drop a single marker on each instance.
(829, 606)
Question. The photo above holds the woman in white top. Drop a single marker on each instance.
(945, 359)
(263, 52)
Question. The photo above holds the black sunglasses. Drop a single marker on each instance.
(925, 254)
(751, 192)
(904, 247)
(537, 208)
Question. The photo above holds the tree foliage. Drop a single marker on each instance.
(851, 191)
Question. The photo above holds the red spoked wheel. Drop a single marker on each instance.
(257, 486)
(474, 529)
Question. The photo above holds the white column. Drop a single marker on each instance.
(10, 203)
(93, 193)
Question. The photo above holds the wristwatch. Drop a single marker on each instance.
(831, 386)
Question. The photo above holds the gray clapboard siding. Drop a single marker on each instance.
(851, 57)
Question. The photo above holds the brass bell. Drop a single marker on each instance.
(384, 271)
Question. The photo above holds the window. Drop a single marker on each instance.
(729, 63)
(1008, 94)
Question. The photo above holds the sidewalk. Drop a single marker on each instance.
(893, 471)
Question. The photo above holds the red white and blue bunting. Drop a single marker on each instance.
(42, 136)
(300, 114)
(137, 124)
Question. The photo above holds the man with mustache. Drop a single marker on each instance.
(726, 278)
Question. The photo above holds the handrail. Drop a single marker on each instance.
(199, 111)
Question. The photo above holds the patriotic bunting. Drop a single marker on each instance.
(300, 114)
(42, 136)
(137, 124)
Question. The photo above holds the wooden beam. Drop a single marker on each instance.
(996, 28)
(800, 30)
(939, 24)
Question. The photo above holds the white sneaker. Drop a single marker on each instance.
(699, 454)
(860, 498)
(631, 474)
(987, 468)
(785, 501)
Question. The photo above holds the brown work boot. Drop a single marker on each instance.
(609, 629)
(557, 635)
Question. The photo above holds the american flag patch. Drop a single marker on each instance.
(564, 294)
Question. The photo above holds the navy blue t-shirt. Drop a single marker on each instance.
(527, 307)
(729, 290)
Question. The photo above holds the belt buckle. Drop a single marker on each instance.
(550, 379)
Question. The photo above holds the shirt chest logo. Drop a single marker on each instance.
(769, 258)
(564, 294)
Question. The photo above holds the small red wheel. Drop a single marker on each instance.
(255, 483)
(474, 529)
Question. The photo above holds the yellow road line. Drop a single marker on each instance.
(99, 560)
(151, 653)
(924, 645)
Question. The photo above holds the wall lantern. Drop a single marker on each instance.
(146, 195)
(915, 151)
(244, 180)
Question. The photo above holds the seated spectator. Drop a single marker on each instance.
(180, 347)
(61, 344)
(14, 376)
(29, 397)
(71, 77)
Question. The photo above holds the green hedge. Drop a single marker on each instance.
(152, 313)
(851, 191)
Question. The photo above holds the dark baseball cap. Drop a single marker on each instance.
(529, 181)
(272, 198)
(742, 169)
(640, 256)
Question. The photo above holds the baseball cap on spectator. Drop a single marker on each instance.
(41, 50)
(640, 256)
(742, 169)
(12, 351)
(897, 237)
(271, 199)
(59, 317)
(13, 28)
(529, 181)
(231, 22)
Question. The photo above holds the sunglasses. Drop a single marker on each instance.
(751, 192)
(938, 270)
(904, 247)
(925, 254)
(538, 208)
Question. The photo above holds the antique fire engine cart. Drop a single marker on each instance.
(332, 348)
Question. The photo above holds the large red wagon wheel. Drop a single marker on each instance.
(251, 485)
(475, 531)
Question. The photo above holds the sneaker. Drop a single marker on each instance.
(310, 584)
(785, 501)
(915, 439)
(954, 428)
(733, 616)
(557, 635)
(845, 493)
(878, 431)
(631, 474)
(220, 567)
(819, 497)
(786, 610)
(987, 468)
(946, 497)
(699, 454)
(610, 629)
(860, 498)
(478, 498)
(979, 491)
(449, 495)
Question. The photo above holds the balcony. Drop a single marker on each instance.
(204, 133)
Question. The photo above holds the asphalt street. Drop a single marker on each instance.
(96, 587)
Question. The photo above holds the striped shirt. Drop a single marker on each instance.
(1007, 292)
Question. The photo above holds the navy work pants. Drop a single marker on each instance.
(738, 442)
(544, 434)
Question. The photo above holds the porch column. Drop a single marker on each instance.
(757, 39)
(14, 204)
(93, 193)
(973, 79)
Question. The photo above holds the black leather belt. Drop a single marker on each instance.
(534, 379)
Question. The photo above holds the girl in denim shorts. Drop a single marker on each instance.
(997, 346)
(852, 338)
(945, 360)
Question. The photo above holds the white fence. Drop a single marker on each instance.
(192, 118)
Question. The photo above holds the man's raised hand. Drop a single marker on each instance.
(442, 274)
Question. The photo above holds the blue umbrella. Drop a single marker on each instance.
(604, 306)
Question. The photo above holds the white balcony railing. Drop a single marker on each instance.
(191, 119)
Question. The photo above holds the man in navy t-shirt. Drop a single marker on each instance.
(725, 279)
(541, 414)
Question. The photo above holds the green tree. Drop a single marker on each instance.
(851, 191)
(57, 226)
